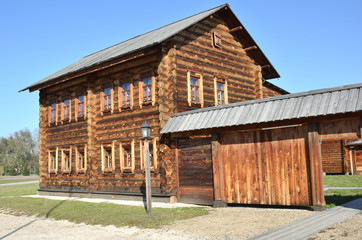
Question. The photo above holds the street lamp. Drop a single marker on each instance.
(146, 133)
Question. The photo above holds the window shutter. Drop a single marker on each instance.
(154, 153)
(226, 92)
(49, 161)
(142, 154)
(121, 159)
(132, 155)
(131, 90)
(76, 108)
(85, 158)
(113, 157)
(201, 90)
(153, 90)
(56, 160)
(102, 157)
(62, 111)
(112, 99)
(189, 88)
(140, 87)
(85, 105)
(215, 90)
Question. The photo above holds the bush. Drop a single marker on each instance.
(26, 172)
(13, 172)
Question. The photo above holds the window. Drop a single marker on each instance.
(195, 89)
(81, 159)
(81, 109)
(66, 110)
(216, 39)
(66, 160)
(107, 100)
(127, 156)
(221, 95)
(52, 160)
(108, 163)
(147, 90)
(53, 113)
(125, 95)
(152, 154)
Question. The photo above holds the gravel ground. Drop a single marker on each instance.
(222, 223)
(350, 229)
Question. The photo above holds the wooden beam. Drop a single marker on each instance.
(235, 29)
(266, 66)
(315, 169)
(177, 171)
(360, 127)
(218, 173)
(250, 48)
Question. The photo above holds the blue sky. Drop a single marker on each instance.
(312, 44)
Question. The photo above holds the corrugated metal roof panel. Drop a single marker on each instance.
(293, 106)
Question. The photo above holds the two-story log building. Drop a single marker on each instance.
(91, 111)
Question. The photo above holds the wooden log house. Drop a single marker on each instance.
(91, 111)
(266, 151)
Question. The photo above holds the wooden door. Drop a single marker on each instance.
(195, 170)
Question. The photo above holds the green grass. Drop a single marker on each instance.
(337, 197)
(17, 190)
(343, 180)
(98, 213)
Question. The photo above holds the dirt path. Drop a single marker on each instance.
(223, 223)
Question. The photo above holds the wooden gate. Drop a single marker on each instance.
(265, 166)
(195, 170)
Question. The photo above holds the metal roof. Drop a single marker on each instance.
(323, 102)
(156, 37)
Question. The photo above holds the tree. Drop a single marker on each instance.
(19, 152)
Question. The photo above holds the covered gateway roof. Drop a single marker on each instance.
(324, 102)
(155, 37)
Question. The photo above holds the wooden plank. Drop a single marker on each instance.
(315, 161)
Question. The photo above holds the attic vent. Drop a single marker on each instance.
(217, 40)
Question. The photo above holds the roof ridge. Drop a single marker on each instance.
(223, 5)
(275, 98)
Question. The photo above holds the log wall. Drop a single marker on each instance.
(196, 53)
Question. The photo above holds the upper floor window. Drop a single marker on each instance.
(107, 99)
(53, 113)
(81, 104)
(126, 94)
(216, 39)
(66, 110)
(221, 94)
(147, 89)
(195, 89)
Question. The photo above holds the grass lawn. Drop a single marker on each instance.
(17, 190)
(338, 197)
(98, 213)
(343, 180)
(89, 213)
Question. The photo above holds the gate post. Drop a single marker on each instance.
(316, 172)
(218, 173)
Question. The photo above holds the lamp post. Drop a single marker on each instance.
(146, 132)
